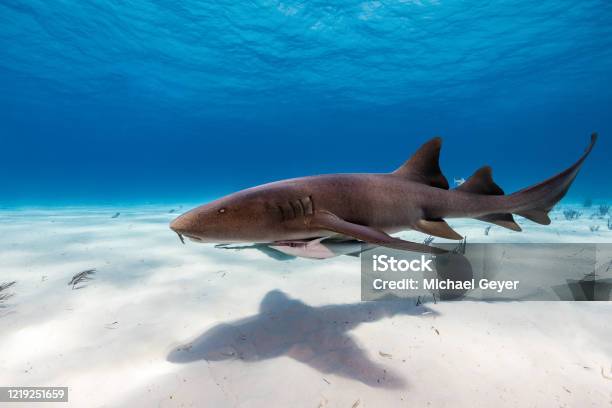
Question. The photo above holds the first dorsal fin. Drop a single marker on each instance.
(481, 182)
(423, 166)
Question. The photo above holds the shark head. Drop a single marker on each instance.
(241, 217)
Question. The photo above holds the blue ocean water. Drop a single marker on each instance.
(148, 101)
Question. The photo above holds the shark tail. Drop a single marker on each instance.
(533, 203)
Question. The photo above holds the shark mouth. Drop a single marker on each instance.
(191, 237)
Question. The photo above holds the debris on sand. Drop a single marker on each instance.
(594, 228)
(3, 287)
(117, 214)
(80, 278)
(421, 300)
(325, 379)
(356, 404)
(607, 377)
(436, 330)
(571, 215)
(428, 240)
(385, 355)
(460, 249)
(487, 229)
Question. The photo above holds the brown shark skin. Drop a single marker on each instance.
(384, 201)
(290, 209)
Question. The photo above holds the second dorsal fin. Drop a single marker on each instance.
(423, 166)
(481, 182)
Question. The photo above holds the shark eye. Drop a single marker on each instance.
(221, 211)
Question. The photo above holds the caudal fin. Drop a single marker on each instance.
(536, 201)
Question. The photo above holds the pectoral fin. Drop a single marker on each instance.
(331, 222)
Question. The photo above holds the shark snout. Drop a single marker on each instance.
(184, 225)
(179, 224)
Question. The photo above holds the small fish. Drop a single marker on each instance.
(116, 215)
(459, 181)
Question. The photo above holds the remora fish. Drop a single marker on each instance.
(369, 207)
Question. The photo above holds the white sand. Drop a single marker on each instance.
(110, 341)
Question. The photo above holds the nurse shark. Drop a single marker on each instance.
(297, 215)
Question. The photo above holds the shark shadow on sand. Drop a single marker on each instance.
(316, 336)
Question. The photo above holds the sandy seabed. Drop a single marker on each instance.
(162, 324)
